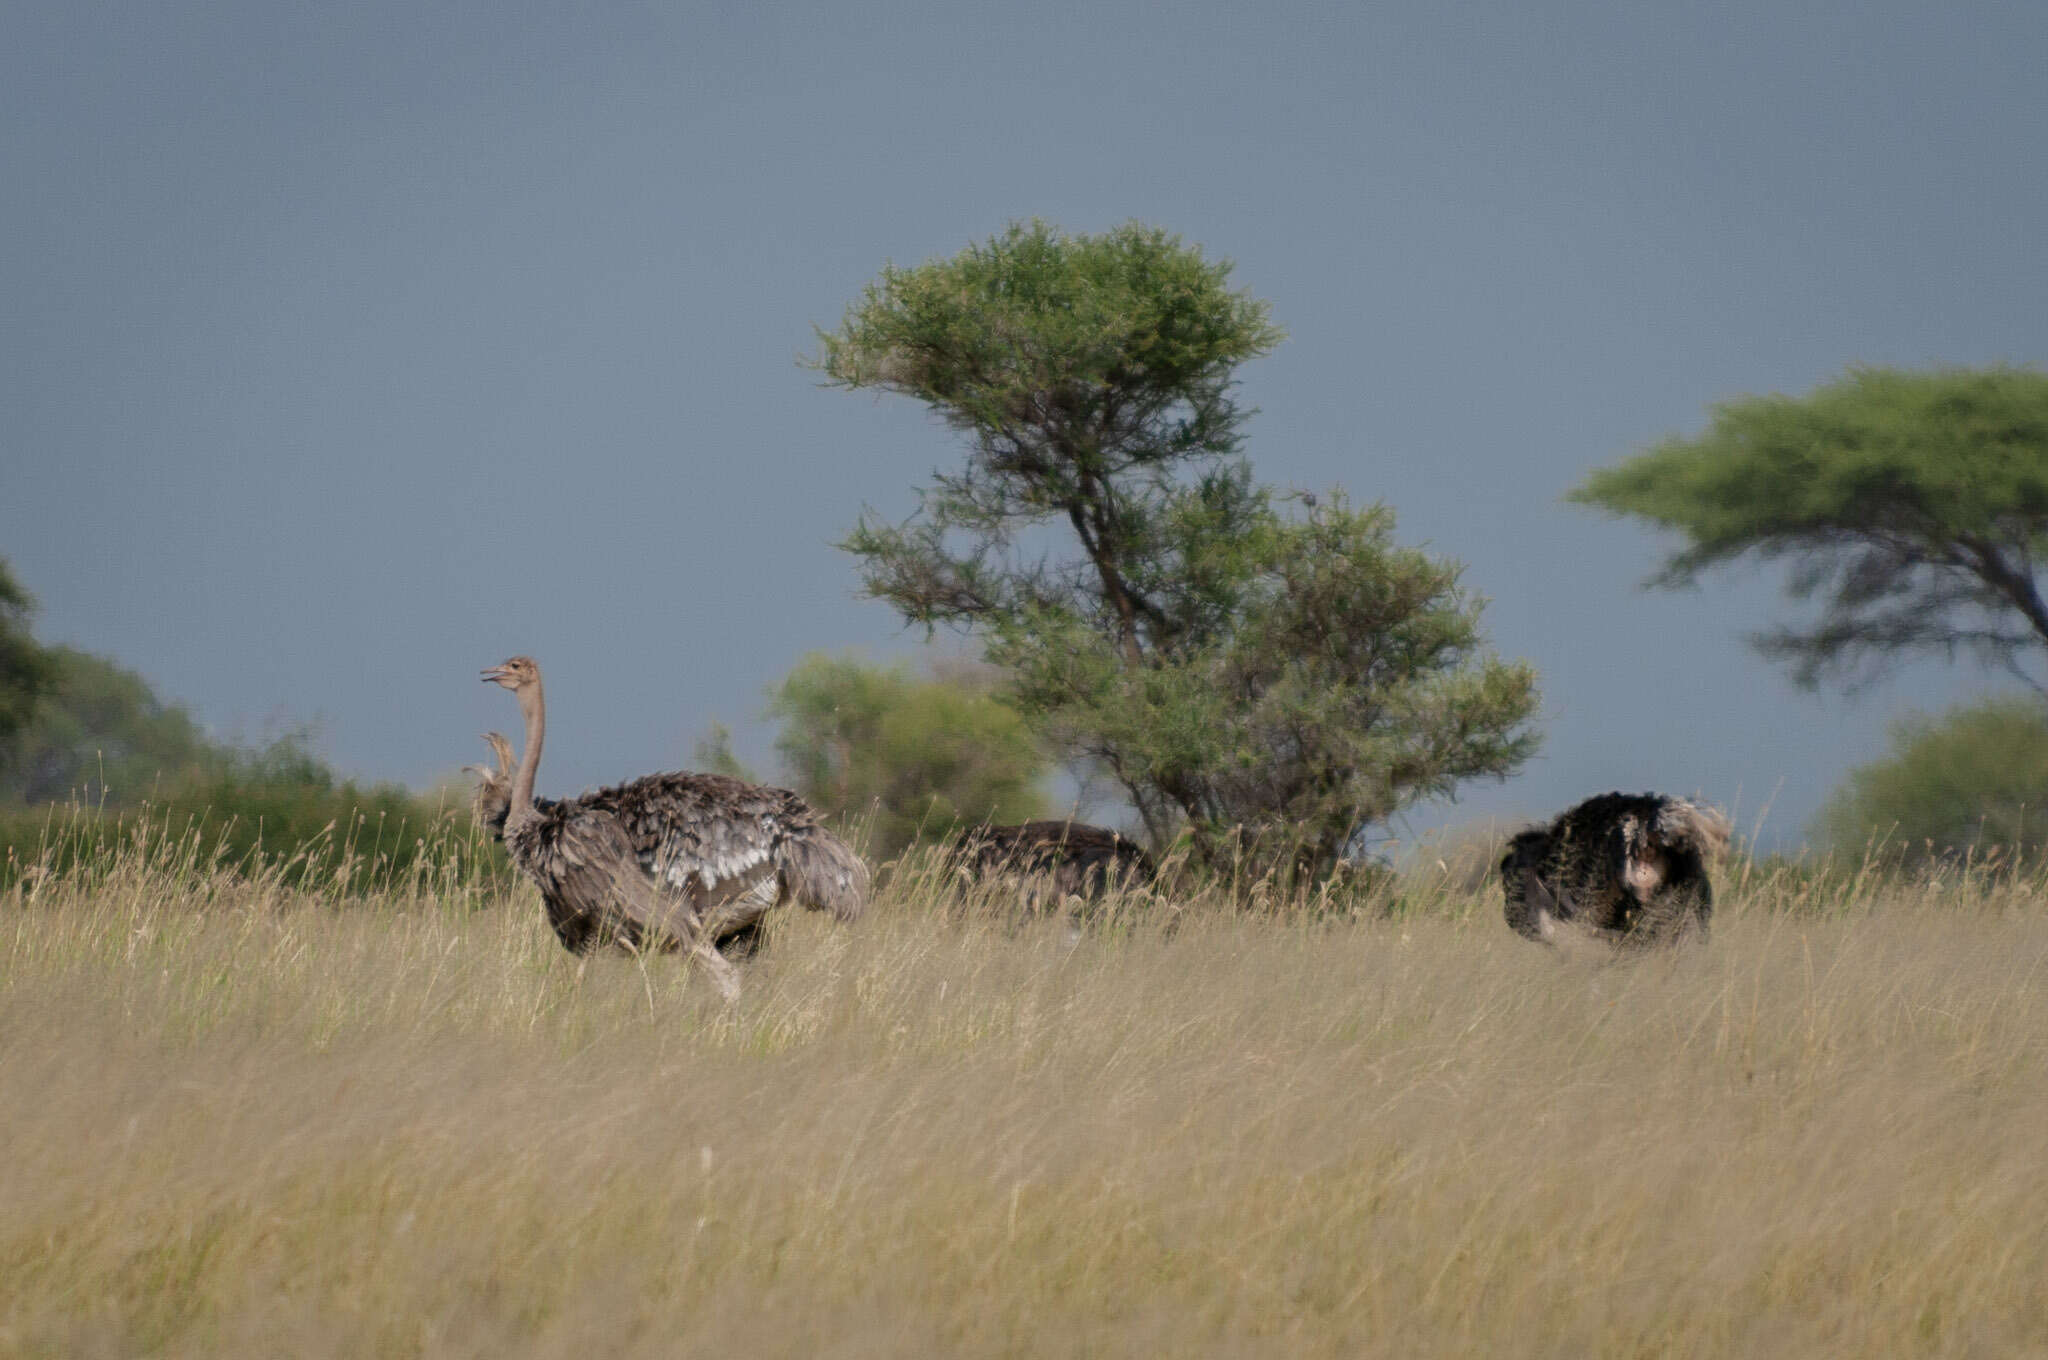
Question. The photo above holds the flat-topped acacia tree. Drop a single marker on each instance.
(1912, 505)
(1270, 674)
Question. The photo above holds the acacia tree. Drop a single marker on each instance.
(1271, 677)
(1913, 506)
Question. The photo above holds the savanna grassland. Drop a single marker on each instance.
(245, 1117)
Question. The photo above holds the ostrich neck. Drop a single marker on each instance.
(534, 708)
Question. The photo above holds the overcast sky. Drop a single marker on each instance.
(349, 348)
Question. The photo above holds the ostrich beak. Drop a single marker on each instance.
(492, 673)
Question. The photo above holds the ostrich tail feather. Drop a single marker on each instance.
(823, 873)
(1703, 829)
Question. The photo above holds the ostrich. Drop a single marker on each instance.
(669, 860)
(1071, 859)
(1632, 867)
(492, 801)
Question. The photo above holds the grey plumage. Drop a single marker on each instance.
(668, 861)
(1054, 858)
(1632, 868)
(492, 801)
(493, 797)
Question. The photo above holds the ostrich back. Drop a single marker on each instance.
(710, 844)
(703, 830)
(1080, 860)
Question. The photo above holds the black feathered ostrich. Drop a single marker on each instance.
(1632, 868)
(668, 861)
(1070, 859)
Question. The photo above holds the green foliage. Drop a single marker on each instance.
(1345, 680)
(1272, 684)
(1971, 780)
(1083, 370)
(98, 761)
(912, 758)
(276, 812)
(77, 726)
(713, 753)
(1912, 504)
(24, 667)
(339, 842)
(100, 734)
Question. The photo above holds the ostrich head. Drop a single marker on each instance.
(1651, 850)
(515, 673)
(493, 797)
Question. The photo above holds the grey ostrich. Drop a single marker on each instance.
(667, 861)
(493, 800)
(1071, 859)
(1630, 867)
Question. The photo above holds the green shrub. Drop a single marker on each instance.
(1970, 782)
(910, 757)
(335, 839)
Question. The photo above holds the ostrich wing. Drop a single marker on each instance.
(597, 873)
(705, 835)
(716, 858)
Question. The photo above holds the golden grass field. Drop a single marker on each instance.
(245, 1120)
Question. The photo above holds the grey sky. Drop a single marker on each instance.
(350, 348)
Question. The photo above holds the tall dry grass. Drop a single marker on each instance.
(241, 1118)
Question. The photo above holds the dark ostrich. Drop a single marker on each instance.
(1054, 860)
(1631, 868)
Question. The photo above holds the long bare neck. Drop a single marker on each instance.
(535, 709)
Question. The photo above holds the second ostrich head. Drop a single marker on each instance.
(493, 796)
